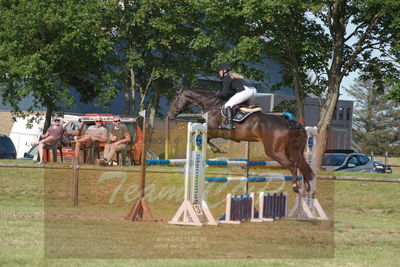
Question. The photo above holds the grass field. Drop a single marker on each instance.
(39, 226)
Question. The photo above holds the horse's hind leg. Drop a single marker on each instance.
(293, 170)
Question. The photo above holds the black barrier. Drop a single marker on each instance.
(274, 206)
(241, 208)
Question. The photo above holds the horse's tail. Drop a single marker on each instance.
(295, 151)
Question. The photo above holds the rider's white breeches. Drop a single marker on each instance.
(242, 96)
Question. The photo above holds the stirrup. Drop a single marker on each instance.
(226, 127)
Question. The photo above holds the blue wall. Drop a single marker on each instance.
(117, 105)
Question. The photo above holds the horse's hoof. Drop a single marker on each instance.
(296, 188)
(314, 195)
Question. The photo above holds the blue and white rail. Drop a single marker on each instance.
(216, 163)
(255, 179)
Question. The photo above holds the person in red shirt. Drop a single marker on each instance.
(53, 134)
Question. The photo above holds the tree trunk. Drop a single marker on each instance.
(127, 96)
(144, 89)
(133, 91)
(297, 84)
(153, 107)
(325, 120)
(47, 121)
(299, 94)
(142, 99)
(337, 27)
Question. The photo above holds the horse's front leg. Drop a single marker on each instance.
(213, 147)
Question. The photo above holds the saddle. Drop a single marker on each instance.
(242, 111)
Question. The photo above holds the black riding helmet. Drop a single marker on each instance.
(224, 66)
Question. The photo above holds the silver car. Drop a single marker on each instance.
(382, 167)
(348, 162)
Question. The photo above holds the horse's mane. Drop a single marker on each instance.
(202, 91)
(206, 99)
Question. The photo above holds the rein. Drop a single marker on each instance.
(196, 103)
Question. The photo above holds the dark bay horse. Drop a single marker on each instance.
(283, 141)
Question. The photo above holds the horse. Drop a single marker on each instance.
(284, 140)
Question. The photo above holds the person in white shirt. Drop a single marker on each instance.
(95, 132)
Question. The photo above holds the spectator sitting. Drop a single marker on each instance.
(51, 137)
(95, 132)
(119, 136)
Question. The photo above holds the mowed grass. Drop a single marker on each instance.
(44, 229)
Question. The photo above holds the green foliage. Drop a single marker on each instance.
(293, 39)
(288, 106)
(371, 41)
(151, 46)
(375, 119)
(156, 46)
(228, 38)
(251, 33)
(47, 47)
(394, 90)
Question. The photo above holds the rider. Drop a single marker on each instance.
(234, 90)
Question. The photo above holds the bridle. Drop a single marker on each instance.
(190, 100)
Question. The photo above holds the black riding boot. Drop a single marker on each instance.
(229, 124)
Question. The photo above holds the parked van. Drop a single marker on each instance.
(22, 136)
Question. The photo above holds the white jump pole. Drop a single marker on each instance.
(194, 209)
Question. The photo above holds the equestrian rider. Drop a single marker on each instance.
(234, 90)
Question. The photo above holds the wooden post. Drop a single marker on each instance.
(372, 158)
(386, 160)
(141, 210)
(166, 129)
(75, 181)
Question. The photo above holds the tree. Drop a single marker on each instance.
(47, 47)
(370, 45)
(248, 32)
(224, 36)
(376, 120)
(290, 37)
(153, 46)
